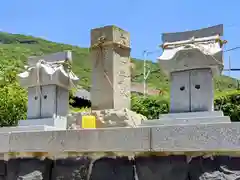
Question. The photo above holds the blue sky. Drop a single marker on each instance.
(70, 21)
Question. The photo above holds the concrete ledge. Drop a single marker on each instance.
(201, 137)
(27, 128)
(109, 139)
(60, 123)
(4, 141)
(186, 121)
(204, 114)
(171, 138)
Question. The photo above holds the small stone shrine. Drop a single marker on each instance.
(191, 60)
(48, 80)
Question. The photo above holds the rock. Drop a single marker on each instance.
(107, 118)
(118, 168)
(74, 119)
(118, 118)
(71, 168)
(159, 168)
(218, 167)
(29, 169)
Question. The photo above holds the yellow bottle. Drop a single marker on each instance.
(88, 122)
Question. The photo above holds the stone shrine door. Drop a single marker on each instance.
(192, 91)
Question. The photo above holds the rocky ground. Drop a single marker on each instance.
(108, 118)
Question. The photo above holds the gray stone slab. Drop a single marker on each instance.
(204, 32)
(59, 56)
(190, 115)
(87, 140)
(4, 139)
(27, 128)
(59, 123)
(220, 119)
(201, 137)
(38, 141)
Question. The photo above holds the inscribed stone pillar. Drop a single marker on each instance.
(111, 80)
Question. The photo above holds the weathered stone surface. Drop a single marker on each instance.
(199, 137)
(219, 168)
(71, 168)
(174, 167)
(4, 139)
(29, 169)
(162, 168)
(93, 140)
(120, 168)
(107, 118)
(158, 122)
(111, 78)
(74, 120)
(118, 118)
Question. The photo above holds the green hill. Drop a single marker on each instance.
(15, 49)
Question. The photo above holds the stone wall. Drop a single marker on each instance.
(141, 153)
(122, 168)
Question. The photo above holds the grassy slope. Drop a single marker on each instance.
(11, 50)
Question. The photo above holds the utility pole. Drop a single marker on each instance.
(232, 69)
(145, 72)
(145, 53)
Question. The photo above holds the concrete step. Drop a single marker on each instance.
(190, 115)
(27, 128)
(187, 121)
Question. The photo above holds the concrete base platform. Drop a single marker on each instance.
(188, 118)
(186, 121)
(27, 128)
(204, 114)
(59, 123)
(175, 138)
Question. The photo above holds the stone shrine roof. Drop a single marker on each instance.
(192, 54)
(44, 73)
(207, 46)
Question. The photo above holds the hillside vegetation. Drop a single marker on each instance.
(16, 48)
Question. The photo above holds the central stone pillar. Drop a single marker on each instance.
(111, 79)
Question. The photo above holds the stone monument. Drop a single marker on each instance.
(191, 60)
(48, 80)
(111, 80)
(167, 150)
